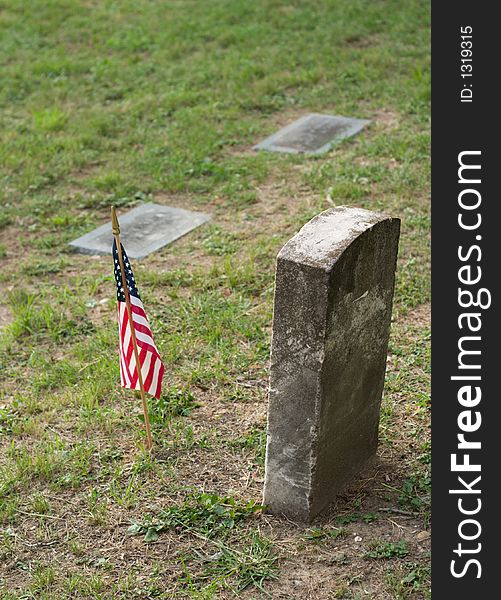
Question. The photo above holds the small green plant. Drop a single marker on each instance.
(8, 506)
(206, 514)
(248, 566)
(42, 462)
(219, 242)
(34, 317)
(323, 534)
(381, 550)
(342, 591)
(415, 492)
(255, 439)
(172, 403)
(425, 457)
(346, 519)
(93, 586)
(126, 494)
(407, 581)
(4, 220)
(369, 517)
(8, 418)
(50, 119)
(7, 543)
(40, 505)
(98, 509)
(38, 269)
(42, 578)
(76, 547)
(46, 242)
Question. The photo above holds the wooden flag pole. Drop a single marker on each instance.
(116, 232)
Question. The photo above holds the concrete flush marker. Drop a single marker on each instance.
(144, 229)
(312, 134)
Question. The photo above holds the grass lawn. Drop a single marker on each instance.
(121, 102)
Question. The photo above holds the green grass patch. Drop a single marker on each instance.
(412, 579)
(254, 440)
(386, 550)
(323, 534)
(143, 101)
(234, 568)
(205, 514)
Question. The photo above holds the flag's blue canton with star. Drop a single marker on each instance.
(152, 369)
(131, 282)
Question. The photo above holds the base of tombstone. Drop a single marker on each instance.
(332, 313)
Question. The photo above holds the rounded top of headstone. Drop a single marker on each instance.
(322, 240)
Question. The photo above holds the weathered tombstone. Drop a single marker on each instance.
(312, 134)
(332, 312)
(145, 229)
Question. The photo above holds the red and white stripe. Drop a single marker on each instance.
(152, 368)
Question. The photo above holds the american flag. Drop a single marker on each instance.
(152, 368)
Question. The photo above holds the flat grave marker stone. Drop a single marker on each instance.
(144, 229)
(312, 134)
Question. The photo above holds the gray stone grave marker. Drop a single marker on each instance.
(144, 229)
(332, 312)
(312, 134)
